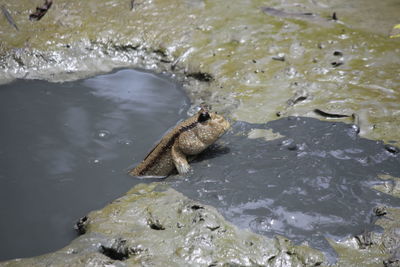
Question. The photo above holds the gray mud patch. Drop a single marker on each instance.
(65, 149)
(313, 180)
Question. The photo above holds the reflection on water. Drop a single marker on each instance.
(314, 182)
(131, 100)
(65, 149)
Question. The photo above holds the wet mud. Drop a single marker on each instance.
(337, 57)
(65, 149)
(314, 180)
(244, 60)
(154, 225)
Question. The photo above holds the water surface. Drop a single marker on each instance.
(65, 149)
(311, 183)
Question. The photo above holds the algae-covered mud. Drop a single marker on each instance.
(256, 61)
(65, 150)
(259, 56)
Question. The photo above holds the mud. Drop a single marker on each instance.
(123, 234)
(246, 63)
(225, 53)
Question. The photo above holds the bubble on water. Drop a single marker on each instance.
(126, 142)
(103, 134)
(251, 171)
(94, 161)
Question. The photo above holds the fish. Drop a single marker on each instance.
(182, 143)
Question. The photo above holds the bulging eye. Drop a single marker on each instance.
(204, 116)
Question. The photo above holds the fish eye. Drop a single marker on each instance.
(204, 116)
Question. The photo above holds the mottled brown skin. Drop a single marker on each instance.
(189, 138)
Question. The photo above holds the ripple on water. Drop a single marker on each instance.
(313, 182)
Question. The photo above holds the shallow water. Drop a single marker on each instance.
(313, 182)
(65, 149)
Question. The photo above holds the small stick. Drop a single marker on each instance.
(329, 115)
(9, 17)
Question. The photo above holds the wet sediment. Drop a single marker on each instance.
(224, 52)
(246, 62)
(153, 225)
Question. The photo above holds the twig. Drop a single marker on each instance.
(9, 17)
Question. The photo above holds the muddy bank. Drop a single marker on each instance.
(374, 248)
(153, 225)
(230, 54)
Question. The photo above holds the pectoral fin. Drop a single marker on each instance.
(180, 160)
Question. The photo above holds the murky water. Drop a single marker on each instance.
(65, 149)
(313, 182)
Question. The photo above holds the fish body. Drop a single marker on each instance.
(187, 139)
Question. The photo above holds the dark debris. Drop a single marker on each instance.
(380, 211)
(336, 64)
(364, 240)
(196, 207)
(155, 225)
(337, 54)
(41, 11)
(201, 76)
(329, 115)
(80, 225)
(117, 251)
(392, 149)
